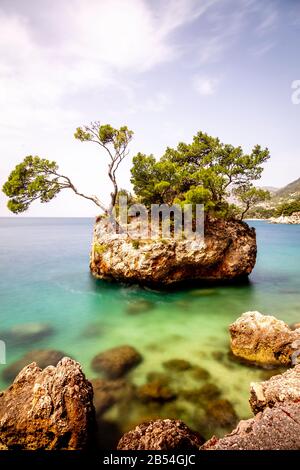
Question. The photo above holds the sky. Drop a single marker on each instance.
(164, 68)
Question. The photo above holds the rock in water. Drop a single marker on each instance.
(276, 425)
(162, 434)
(228, 252)
(42, 357)
(116, 362)
(263, 340)
(27, 333)
(50, 409)
(278, 389)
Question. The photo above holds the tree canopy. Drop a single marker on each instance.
(37, 178)
(204, 171)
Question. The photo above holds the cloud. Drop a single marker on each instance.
(205, 86)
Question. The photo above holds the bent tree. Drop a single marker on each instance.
(37, 178)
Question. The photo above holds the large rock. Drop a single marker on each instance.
(47, 409)
(42, 357)
(278, 389)
(116, 362)
(263, 340)
(277, 428)
(276, 425)
(227, 252)
(162, 434)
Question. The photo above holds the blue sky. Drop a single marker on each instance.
(166, 68)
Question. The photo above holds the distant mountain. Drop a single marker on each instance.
(291, 191)
(271, 189)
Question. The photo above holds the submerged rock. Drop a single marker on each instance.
(139, 306)
(155, 391)
(50, 409)
(42, 357)
(221, 413)
(263, 340)
(228, 252)
(177, 365)
(116, 362)
(162, 434)
(26, 333)
(109, 392)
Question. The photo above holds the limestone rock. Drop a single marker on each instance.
(263, 340)
(42, 357)
(166, 434)
(116, 362)
(227, 252)
(278, 389)
(286, 219)
(276, 428)
(48, 409)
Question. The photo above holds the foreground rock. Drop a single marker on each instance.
(276, 425)
(116, 362)
(42, 358)
(48, 409)
(264, 340)
(228, 252)
(286, 219)
(162, 434)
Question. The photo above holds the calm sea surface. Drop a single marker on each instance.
(44, 277)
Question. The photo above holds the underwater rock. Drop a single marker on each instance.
(94, 330)
(177, 365)
(49, 409)
(279, 388)
(139, 306)
(199, 373)
(116, 362)
(155, 391)
(221, 412)
(26, 333)
(228, 252)
(109, 392)
(42, 357)
(263, 340)
(162, 434)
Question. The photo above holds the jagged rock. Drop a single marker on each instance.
(277, 428)
(263, 340)
(227, 252)
(276, 425)
(166, 434)
(286, 219)
(48, 409)
(116, 362)
(42, 357)
(278, 389)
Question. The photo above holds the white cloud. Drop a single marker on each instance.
(206, 86)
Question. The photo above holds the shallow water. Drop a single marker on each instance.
(45, 278)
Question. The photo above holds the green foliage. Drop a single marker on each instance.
(105, 135)
(34, 178)
(200, 172)
(287, 208)
(249, 196)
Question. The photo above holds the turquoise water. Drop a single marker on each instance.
(44, 277)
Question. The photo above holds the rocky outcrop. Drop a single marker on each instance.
(286, 219)
(162, 434)
(276, 425)
(227, 252)
(42, 358)
(116, 362)
(264, 340)
(48, 409)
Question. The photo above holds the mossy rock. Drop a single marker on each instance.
(222, 413)
(155, 391)
(199, 373)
